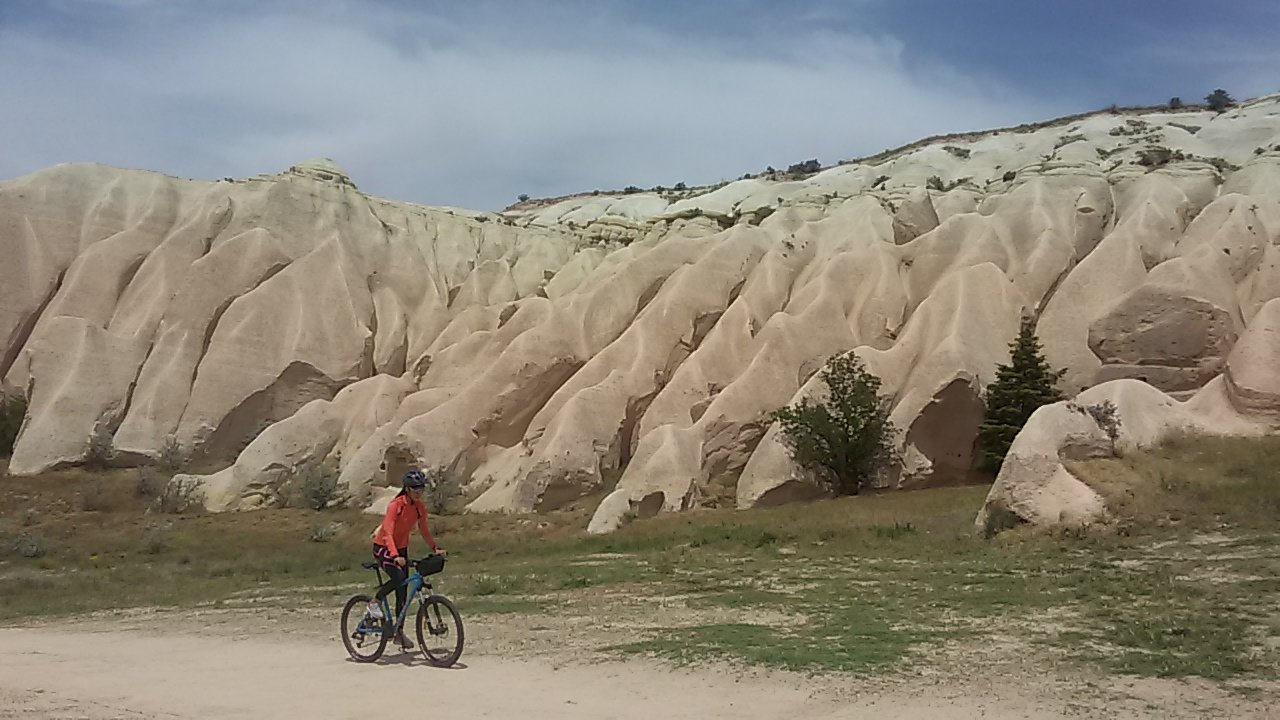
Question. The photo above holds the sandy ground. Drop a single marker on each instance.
(104, 669)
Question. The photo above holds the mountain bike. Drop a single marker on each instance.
(438, 623)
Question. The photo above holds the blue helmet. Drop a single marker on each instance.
(415, 479)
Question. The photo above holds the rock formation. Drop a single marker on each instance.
(632, 347)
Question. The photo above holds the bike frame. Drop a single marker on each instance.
(413, 584)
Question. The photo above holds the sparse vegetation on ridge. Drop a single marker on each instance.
(1218, 100)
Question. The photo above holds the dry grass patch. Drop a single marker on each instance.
(1194, 482)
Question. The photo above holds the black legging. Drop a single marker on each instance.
(396, 577)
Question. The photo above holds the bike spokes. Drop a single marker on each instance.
(440, 631)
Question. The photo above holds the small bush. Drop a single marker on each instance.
(30, 546)
(631, 190)
(1175, 103)
(443, 491)
(170, 459)
(523, 197)
(808, 167)
(934, 183)
(179, 495)
(12, 412)
(317, 484)
(312, 485)
(148, 483)
(1105, 414)
(999, 518)
(894, 531)
(100, 452)
(94, 496)
(323, 531)
(1155, 156)
(155, 539)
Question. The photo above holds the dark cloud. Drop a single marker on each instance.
(470, 104)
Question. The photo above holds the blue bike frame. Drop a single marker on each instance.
(412, 584)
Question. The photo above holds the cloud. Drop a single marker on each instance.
(435, 104)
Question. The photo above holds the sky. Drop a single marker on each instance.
(470, 103)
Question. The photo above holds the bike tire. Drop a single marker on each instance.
(364, 642)
(440, 633)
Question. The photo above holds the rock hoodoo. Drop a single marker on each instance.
(632, 347)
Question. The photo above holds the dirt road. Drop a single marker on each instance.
(107, 674)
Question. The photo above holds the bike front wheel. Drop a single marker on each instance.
(440, 631)
(362, 635)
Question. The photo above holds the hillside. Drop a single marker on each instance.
(635, 344)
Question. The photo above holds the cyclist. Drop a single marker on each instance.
(391, 543)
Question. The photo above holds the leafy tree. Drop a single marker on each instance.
(1020, 387)
(1219, 100)
(523, 197)
(847, 438)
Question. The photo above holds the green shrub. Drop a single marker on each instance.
(1219, 100)
(313, 485)
(1020, 387)
(846, 439)
(1106, 415)
(808, 167)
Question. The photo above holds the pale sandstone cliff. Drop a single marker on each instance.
(636, 344)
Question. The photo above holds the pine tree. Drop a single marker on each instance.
(1020, 387)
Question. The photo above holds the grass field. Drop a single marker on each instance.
(1184, 582)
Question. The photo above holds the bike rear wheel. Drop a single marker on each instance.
(362, 635)
(440, 631)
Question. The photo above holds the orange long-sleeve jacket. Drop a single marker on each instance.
(398, 523)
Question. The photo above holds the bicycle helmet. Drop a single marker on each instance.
(415, 479)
